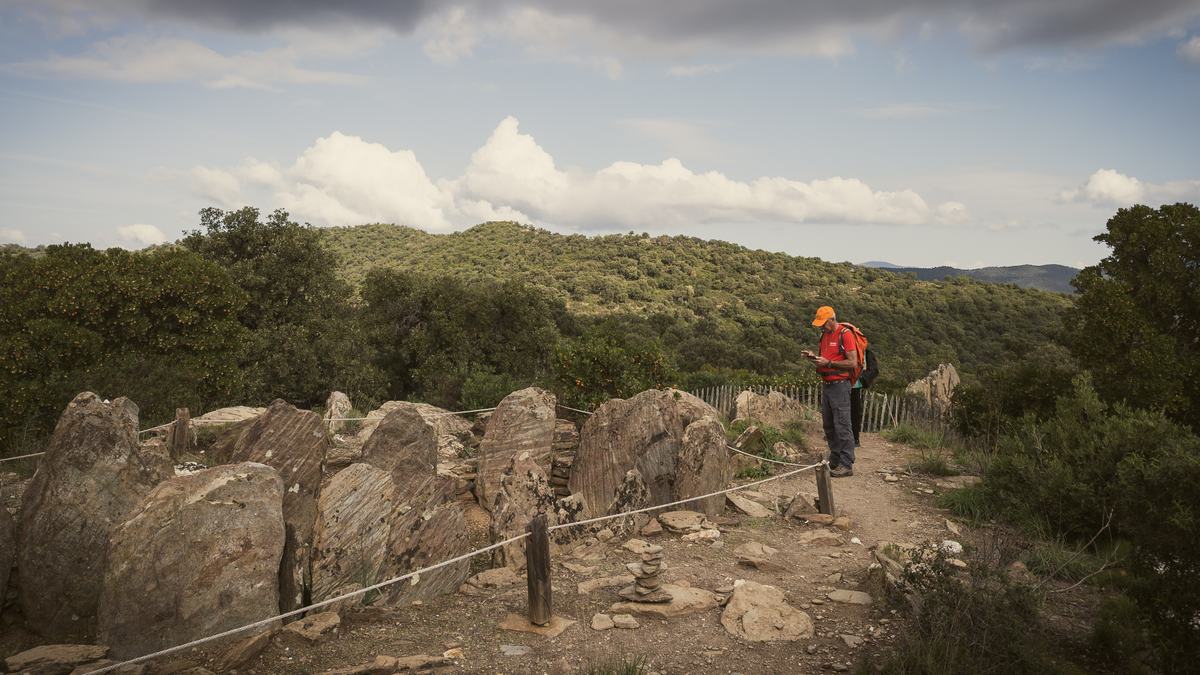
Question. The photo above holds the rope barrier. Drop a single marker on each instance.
(315, 605)
(764, 459)
(689, 499)
(565, 407)
(13, 459)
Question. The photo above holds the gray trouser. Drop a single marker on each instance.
(835, 417)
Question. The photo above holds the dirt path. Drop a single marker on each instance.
(880, 511)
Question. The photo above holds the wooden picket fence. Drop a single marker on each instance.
(880, 410)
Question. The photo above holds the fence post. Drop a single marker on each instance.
(537, 567)
(825, 489)
(178, 440)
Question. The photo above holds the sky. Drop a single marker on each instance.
(919, 132)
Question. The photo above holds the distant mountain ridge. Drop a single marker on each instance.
(1055, 278)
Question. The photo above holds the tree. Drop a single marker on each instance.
(303, 338)
(1136, 323)
(159, 327)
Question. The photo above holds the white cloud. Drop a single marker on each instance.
(1108, 187)
(217, 185)
(140, 59)
(11, 235)
(452, 36)
(1190, 50)
(146, 235)
(345, 180)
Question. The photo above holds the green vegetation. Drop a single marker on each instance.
(1095, 453)
(719, 307)
(625, 665)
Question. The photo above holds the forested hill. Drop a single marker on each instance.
(719, 304)
(1045, 277)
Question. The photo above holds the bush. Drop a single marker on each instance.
(981, 624)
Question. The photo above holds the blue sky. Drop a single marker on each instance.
(915, 131)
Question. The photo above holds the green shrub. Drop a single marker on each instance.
(625, 665)
(1120, 638)
(983, 623)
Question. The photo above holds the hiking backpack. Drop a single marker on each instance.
(860, 342)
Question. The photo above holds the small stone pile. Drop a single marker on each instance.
(566, 442)
(647, 587)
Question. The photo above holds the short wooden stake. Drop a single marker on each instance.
(825, 489)
(537, 568)
(179, 440)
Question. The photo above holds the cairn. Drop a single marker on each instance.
(647, 587)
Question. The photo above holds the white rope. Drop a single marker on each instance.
(763, 459)
(13, 459)
(567, 407)
(688, 500)
(315, 605)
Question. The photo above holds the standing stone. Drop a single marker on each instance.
(703, 466)
(338, 405)
(426, 524)
(200, 555)
(89, 481)
(643, 433)
(443, 421)
(523, 422)
(936, 389)
(8, 550)
(523, 492)
(773, 409)
(403, 442)
(294, 443)
(350, 542)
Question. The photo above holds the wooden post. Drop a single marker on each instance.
(179, 438)
(537, 567)
(825, 489)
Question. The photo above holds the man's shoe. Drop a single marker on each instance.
(842, 472)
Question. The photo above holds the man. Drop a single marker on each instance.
(836, 358)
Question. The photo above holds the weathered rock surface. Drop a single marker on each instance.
(200, 555)
(759, 613)
(759, 556)
(244, 651)
(444, 423)
(230, 415)
(524, 422)
(350, 542)
(89, 481)
(683, 522)
(522, 492)
(703, 466)
(53, 659)
(403, 443)
(643, 433)
(773, 409)
(684, 600)
(937, 388)
(748, 506)
(294, 443)
(850, 597)
(8, 549)
(336, 406)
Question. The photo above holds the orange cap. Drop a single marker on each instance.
(823, 314)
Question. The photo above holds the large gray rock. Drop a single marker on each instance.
(352, 530)
(294, 443)
(937, 388)
(523, 492)
(89, 481)
(230, 415)
(392, 515)
(703, 466)
(444, 422)
(643, 433)
(8, 549)
(200, 555)
(336, 406)
(759, 613)
(524, 422)
(773, 409)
